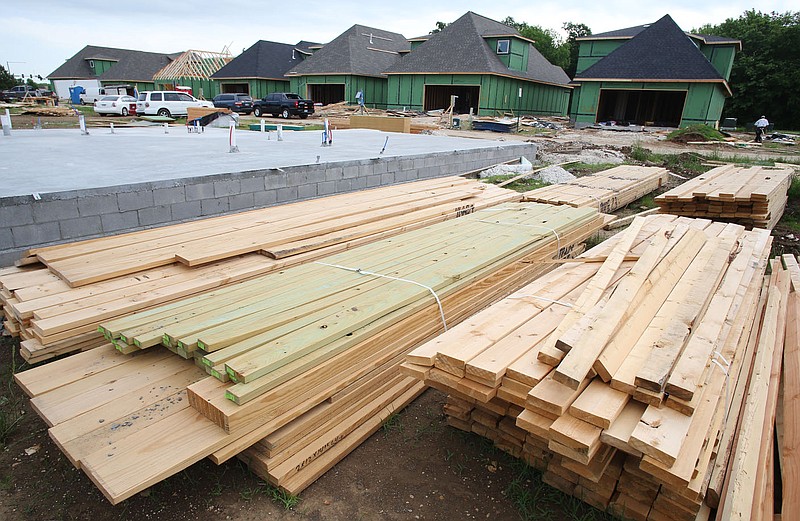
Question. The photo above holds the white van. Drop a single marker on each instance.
(94, 94)
(167, 103)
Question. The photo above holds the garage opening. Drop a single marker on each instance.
(236, 88)
(641, 107)
(438, 97)
(326, 93)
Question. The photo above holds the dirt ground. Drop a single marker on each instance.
(415, 467)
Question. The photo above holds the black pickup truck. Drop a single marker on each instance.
(22, 91)
(284, 104)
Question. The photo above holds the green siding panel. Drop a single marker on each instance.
(497, 94)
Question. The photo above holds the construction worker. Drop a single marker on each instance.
(761, 128)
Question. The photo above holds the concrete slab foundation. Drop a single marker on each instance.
(61, 186)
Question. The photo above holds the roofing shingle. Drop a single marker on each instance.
(660, 52)
(131, 65)
(264, 60)
(460, 48)
(361, 50)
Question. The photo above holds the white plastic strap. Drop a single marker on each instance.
(558, 237)
(372, 273)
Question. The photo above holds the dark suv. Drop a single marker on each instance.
(235, 102)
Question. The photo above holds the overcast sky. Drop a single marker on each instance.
(38, 40)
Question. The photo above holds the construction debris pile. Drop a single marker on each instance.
(643, 379)
(753, 196)
(310, 349)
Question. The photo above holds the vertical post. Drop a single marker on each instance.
(519, 103)
(232, 127)
(112, 127)
(166, 128)
(280, 132)
(82, 123)
(263, 125)
(8, 118)
(5, 121)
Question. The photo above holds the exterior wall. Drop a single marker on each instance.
(260, 88)
(101, 66)
(83, 214)
(517, 57)
(704, 104)
(721, 57)
(206, 89)
(497, 93)
(591, 52)
(704, 101)
(375, 89)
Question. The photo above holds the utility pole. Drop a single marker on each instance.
(8, 66)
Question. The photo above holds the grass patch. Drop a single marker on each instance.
(12, 399)
(536, 500)
(695, 133)
(283, 498)
(522, 185)
(578, 169)
(393, 423)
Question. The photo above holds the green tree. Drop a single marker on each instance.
(6, 79)
(439, 27)
(546, 41)
(766, 74)
(574, 31)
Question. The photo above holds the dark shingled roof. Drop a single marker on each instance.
(131, 65)
(356, 52)
(460, 48)
(264, 60)
(660, 52)
(630, 32)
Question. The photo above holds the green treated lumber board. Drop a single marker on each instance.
(459, 265)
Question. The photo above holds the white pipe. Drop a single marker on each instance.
(232, 127)
(263, 125)
(8, 119)
(280, 132)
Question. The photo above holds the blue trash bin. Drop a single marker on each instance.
(75, 94)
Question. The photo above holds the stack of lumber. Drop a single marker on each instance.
(620, 379)
(754, 196)
(314, 348)
(607, 190)
(56, 309)
(764, 427)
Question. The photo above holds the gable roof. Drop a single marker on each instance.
(264, 60)
(361, 50)
(130, 65)
(460, 48)
(661, 52)
(194, 64)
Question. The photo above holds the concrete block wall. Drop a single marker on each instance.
(70, 216)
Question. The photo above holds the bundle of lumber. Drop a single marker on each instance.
(754, 196)
(607, 190)
(315, 349)
(56, 309)
(621, 378)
